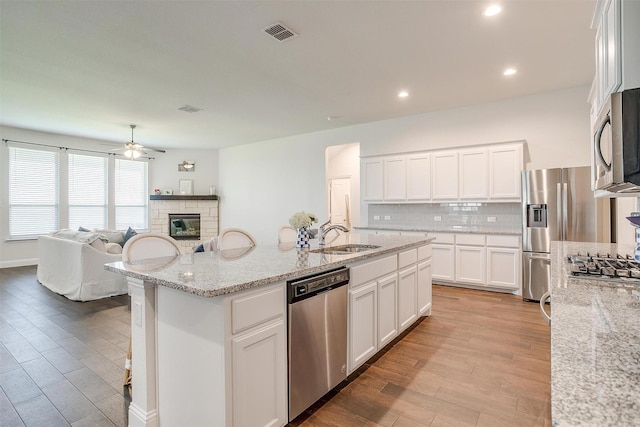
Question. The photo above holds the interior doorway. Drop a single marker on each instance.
(339, 201)
(342, 164)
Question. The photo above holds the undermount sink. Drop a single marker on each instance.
(345, 249)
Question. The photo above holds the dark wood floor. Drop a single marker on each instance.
(481, 359)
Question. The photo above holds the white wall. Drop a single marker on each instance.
(165, 175)
(262, 184)
(163, 172)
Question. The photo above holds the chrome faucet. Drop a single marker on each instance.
(322, 232)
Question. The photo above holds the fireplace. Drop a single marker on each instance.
(184, 226)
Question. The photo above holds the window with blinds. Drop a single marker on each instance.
(131, 194)
(87, 191)
(33, 192)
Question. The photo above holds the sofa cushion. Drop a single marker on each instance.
(81, 228)
(79, 236)
(129, 234)
(113, 248)
(113, 236)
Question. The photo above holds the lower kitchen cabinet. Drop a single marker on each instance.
(407, 297)
(503, 267)
(424, 288)
(491, 261)
(363, 321)
(471, 263)
(387, 309)
(258, 367)
(385, 297)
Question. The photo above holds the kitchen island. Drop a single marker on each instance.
(595, 343)
(209, 330)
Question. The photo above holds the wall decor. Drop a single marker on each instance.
(187, 166)
(185, 186)
(167, 192)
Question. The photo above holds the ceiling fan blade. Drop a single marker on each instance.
(158, 150)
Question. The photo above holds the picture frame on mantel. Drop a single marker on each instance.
(185, 186)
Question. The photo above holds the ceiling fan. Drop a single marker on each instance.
(132, 150)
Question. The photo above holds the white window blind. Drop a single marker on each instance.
(131, 197)
(87, 191)
(33, 192)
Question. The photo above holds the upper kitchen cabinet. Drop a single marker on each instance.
(505, 164)
(474, 173)
(487, 173)
(372, 179)
(445, 175)
(617, 47)
(395, 178)
(419, 176)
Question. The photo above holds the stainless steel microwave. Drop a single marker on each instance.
(616, 144)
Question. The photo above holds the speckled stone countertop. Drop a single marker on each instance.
(454, 229)
(210, 274)
(595, 344)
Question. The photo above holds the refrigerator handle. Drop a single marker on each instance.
(565, 211)
(560, 220)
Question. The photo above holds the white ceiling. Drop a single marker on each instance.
(90, 68)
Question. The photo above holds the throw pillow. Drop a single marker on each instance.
(99, 244)
(129, 234)
(199, 248)
(81, 228)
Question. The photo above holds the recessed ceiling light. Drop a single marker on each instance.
(403, 94)
(510, 71)
(492, 10)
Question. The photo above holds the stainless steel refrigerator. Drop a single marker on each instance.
(557, 204)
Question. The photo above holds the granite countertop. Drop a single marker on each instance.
(452, 229)
(595, 343)
(209, 274)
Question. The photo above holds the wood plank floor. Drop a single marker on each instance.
(481, 359)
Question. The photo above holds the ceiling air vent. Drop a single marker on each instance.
(279, 32)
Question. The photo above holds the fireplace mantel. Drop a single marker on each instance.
(182, 197)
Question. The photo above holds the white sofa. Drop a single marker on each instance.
(73, 266)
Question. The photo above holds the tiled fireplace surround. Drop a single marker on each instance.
(159, 211)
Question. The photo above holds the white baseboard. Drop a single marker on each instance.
(18, 263)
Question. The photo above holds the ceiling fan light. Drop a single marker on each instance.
(132, 154)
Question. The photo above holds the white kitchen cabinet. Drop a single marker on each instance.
(445, 175)
(424, 287)
(471, 264)
(407, 297)
(259, 377)
(504, 262)
(387, 309)
(474, 173)
(617, 47)
(363, 324)
(395, 176)
(373, 179)
(419, 176)
(443, 257)
(505, 165)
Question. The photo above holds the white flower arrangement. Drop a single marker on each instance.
(302, 219)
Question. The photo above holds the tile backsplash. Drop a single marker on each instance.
(498, 216)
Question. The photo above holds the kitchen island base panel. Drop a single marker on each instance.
(143, 408)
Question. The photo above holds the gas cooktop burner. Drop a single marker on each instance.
(599, 266)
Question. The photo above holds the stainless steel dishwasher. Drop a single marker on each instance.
(317, 336)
